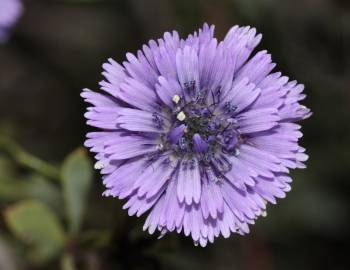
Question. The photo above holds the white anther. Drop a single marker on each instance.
(176, 99)
(263, 213)
(160, 146)
(99, 165)
(237, 152)
(181, 116)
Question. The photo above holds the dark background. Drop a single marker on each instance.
(57, 48)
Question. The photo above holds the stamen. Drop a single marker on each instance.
(202, 132)
(160, 146)
(200, 94)
(200, 146)
(99, 165)
(218, 94)
(183, 144)
(207, 157)
(176, 133)
(152, 157)
(211, 175)
(158, 121)
(190, 85)
(237, 152)
(184, 165)
(229, 107)
(181, 116)
(191, 164)
(176, 99)
(166, 161)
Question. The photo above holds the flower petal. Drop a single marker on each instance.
(257, 120)
(188, 69)
(138, 95)
(212, 203)
(130, 146)
(189, 182)
(137, 120)
(166, 89)
(241, 41)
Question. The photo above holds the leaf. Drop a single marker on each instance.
(35, 224)
(67, 262)
(37, 187)
(76, 180)
(33, 186)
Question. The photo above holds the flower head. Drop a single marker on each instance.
(197, 132)
(10, 10)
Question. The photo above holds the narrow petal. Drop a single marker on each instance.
(114, 74)
(154, 177)
(257, 120)
(140, 69)
(166, 89)
(130, 146)
(240, 175)
(139, 205)
(173, 210)
(241, 95)
(261, 162)
(241, 41)
(212, 203)
(138, 95)
(192, 221)
(152, 220)
(257, 68)
(137, 120)
(121, 182)
(104, 118)
(162, 55)
(97, 99)
(215, 77)
(238, 202)
(188, 70)
(189, 182)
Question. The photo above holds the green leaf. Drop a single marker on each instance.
(76, 180)
(33, 186)
(37, 187)
(35, 224)
(67, 262)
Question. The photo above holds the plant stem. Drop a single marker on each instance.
(28, 160)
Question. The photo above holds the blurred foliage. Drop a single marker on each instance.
(36, 215)
(35, 224)
(52, 214)
(76, 181)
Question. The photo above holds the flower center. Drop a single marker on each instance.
(198, 129)
(197, 122)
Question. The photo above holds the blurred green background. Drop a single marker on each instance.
(52, 214)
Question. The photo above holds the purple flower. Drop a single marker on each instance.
(197, 132)
(10, 10)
